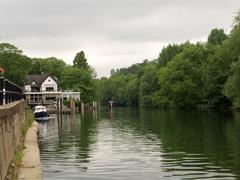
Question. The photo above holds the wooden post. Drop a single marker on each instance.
(61, 105)
(82, 107)
(111, 104)
(58, 106)
(72, 105)
(95, 114)
(94, 105)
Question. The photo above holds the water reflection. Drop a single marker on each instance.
(142, 144)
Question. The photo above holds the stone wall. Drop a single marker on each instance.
(12, 117)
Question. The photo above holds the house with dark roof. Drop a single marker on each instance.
(40, 83)
(42, 89)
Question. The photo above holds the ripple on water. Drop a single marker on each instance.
(101, 150)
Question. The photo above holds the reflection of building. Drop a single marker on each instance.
(43, 89)
(2, 70)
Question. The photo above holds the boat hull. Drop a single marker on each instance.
(42, 119)
(41, 114)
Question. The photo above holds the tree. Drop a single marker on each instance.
(80, 61)
(232, 86)
(9, 48)
(49, 65)
(169, 52)
(216, 37)
(236, 21)
(217, 70)
(105, 90)
(180, 79)
(131, 91)
(80, 77)
(79, 80)
(148, 85)
(16, 64)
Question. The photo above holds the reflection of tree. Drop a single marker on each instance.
(207, 137)
(197, 132)
(75, 135)
(188, 139)
(86, 136)
(233, 139)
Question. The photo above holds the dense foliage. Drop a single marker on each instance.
(79, 77)
(186, 75)
(15, 63)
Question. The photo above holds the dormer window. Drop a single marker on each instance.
(49, 89)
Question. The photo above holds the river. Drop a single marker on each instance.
(141, 144)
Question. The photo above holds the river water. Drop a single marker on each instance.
(141, 144)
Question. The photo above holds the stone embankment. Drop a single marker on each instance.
(12, 117)
(31, 168)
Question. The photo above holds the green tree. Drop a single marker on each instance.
(180, 79)
(105, 90)
(80, 61)
(216, 37)
(217, 69)
(132, 91)
(16, 64)
(79, 80)
(80, 77)
(9, 48)
(169, 52)
(231, 53)
(148, 85)
(232, 86)
(183, 75)
(49, 65)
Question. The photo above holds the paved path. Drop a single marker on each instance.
(31, 168)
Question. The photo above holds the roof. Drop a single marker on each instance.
(38, 78)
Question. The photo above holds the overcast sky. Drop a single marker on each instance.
(112, 33)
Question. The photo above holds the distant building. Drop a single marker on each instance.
(43, 89)
(40, 83)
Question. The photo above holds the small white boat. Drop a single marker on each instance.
(40, 113)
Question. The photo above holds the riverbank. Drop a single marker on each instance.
(31, 168)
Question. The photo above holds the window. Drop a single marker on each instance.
(49, 88)
(35, 89)
(36, 98)
(48, 98)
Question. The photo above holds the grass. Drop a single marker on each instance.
(27, 123)
(17, 162)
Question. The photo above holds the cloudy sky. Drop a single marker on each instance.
(112, 33)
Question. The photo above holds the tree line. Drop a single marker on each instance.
(202, 74)
(77, 77)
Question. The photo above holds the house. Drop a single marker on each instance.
(42, 89)
(40, 83)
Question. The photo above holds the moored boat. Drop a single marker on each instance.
(40, 112)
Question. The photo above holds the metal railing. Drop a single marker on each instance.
(9, 92)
